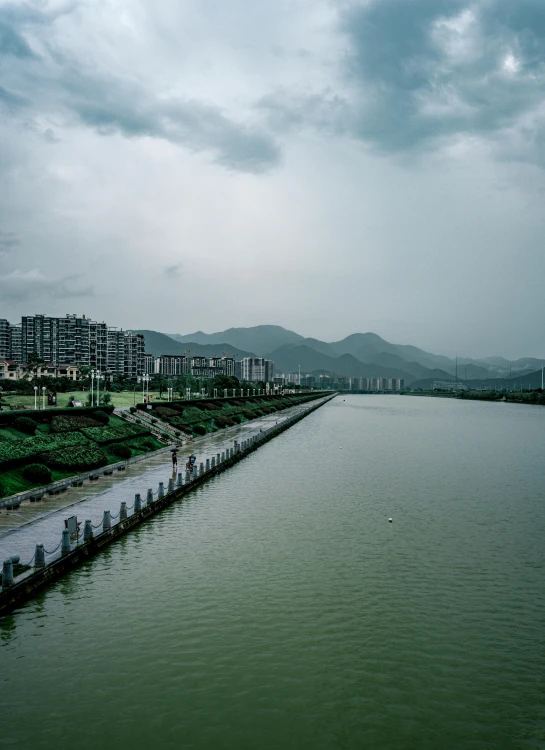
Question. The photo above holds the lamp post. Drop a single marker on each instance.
(43, 396)
(99, 377)
(35, 397)
(145, 386)
(92, 387)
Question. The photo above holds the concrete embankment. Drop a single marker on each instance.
(69, 556)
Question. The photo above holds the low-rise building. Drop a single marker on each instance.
(11, 370)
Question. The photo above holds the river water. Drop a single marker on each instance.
(276, 607)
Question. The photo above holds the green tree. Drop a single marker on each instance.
(34, 363)
(225, 381)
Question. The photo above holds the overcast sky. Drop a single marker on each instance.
(328, 165)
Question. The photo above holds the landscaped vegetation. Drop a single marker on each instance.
(46, 446)
(201, 417)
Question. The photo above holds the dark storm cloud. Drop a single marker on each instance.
(59, 86)
(418, 73)
(429, 69)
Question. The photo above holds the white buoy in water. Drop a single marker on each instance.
(389, 520)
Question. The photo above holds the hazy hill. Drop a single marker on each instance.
(288, 359)
(258, 339)
(393, 360)
(160, 343)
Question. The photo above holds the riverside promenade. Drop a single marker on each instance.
(47, 529)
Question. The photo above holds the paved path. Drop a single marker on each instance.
(33, 523)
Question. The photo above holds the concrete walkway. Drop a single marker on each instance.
(33, 523)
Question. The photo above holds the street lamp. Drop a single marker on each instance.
(99, 377)
(35, 396)
(145, 386)
(43, 396)
(92, 387)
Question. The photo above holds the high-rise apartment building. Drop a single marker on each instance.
(5, 349)
(171, 365)
(74, 340)
(16, 342)
(255, 369)
(209, 367)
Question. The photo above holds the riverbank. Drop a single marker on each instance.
(535, 398)
(58, 563)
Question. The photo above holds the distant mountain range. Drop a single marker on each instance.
(160, 343)
(357, 355)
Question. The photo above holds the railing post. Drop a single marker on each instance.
(207, 464)
(180, 480)
(7, 573)
(106, 521)
(87, 531)
(65, 543)
(218, 459)
(161, 492)
(39, 556)
(187, 476)
(123, 511)
(222, 456)
(201, 469)
(213, 465)
(149, 497)
(137, 503)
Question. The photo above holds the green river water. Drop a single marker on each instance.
(277, 607)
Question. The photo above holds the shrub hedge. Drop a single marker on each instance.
(77, 458)
(7, 418)
(101, 417)
(14, 451)
(103, 435)
(122, 451)
(26, 425)
(69, 424)
(198, 429)
(37, 473)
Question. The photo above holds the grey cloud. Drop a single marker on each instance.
(418, 73)
(12, 43)
(173, 270)
(110, 106)
(431, 69)
(8, 242)
(11, 99)
(18, 286)
(62, 87)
